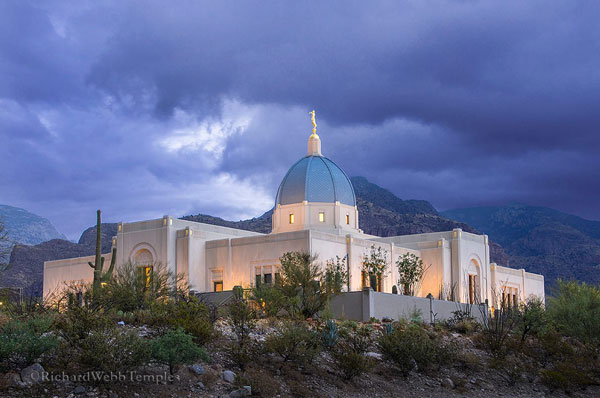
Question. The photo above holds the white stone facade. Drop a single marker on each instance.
(219, 258)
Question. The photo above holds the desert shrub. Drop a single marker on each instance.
(90, 340)
(176, 347)
(569, 364)
(31, 306)
(190, 314)
(412, 347)
(575, 310)
(242, 318)
(78, 322)
(565, 376)
(351, 364)
(269, 299)
(496, 331)
(130, 289)
(306, 288)
(349, 352)
(462, 322)
(262, 383)
(469, 361)
(532, 320)
(294, 342)
(114, 349)
(24, 341)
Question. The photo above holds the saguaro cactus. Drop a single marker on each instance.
(98, 264)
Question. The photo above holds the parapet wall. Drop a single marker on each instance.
(367, 304)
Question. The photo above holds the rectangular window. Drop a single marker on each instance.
(268, 278)
(257, 280)
(347, 219)
(322, 216)
(277, 277)
(217, 279)
(145, 275)
(291, 218)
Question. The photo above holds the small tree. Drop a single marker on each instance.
(532, 318)
(374, 265)
(176, 348)
(411, 271)
(302, 282)
(336, 275)
(242, 318)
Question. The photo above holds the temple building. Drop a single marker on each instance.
(315, 211)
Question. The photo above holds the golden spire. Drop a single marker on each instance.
(314, 123)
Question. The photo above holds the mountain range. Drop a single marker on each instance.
(539, 239)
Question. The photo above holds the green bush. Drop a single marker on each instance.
(130, 289)
(113, 349)
(495, 334)
(575, 310)
(269, 299)
(92, 341)
(175, 347)
(294, 342)
(24, 341)
(532, 319)
(352, 364)
(242, 318)
(349, 351)
(77, 323)
(305, 286)
(566, 377)
(262, 383)
(412, 347)
(191, 315)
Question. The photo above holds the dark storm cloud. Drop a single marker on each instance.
(144, 108)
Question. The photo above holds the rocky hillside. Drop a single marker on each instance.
(26, 267)
(540, 239)
(27, 228)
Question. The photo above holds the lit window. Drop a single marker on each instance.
(291, 218)
(145, 275)
(347, 219)
(322, 216)
(218, 286)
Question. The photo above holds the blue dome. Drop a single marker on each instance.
(315, 179)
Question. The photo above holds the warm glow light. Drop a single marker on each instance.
(291, 218)
(102, 284)
(348, 219)
(321, 217)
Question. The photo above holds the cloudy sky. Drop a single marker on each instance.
(147, 108)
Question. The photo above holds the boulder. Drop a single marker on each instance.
(241, 393)
(374, 355)
(448, 383)
(197, 369)
(32, 374)
(79, 390)
(229, 376)
(10, 379)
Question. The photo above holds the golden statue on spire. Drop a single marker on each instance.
(314, 123)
